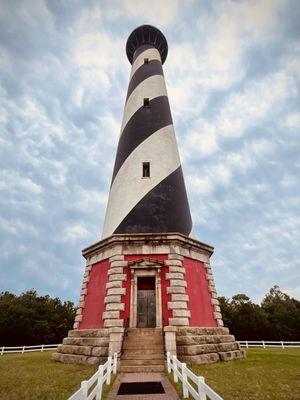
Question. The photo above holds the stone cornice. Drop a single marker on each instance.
(150, 239)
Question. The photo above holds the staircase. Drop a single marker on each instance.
(143, 351)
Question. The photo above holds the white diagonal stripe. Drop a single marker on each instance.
(128, 188)
(152, 87)
(152, 54)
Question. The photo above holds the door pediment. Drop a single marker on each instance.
(145, 263)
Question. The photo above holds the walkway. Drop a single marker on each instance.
(170, 392)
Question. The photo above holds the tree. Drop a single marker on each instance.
(31, 319)
(283, 314)
(244, 319)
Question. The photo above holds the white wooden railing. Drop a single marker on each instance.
(200, 390)
(92, 389)
(26, 349)
(267, 343)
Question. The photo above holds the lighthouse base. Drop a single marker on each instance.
(196, 345)
(149, 281)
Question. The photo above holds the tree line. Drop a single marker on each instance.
(29, 319)
(276, 318)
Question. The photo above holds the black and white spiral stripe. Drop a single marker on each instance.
(157, 204)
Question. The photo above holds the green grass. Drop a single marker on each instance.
(34, 376)
(265, 374)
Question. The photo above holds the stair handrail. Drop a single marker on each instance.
(125, 333)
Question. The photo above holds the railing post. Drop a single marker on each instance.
(247, 344)
(84, 389)
(168, 362)
(42, 349)
(184, 381)
(175, 368)
(108, 371)
(115, 363)
(200, 381)
(263, 342)
(2, 351)
(282, 345)
(100, 382)
(23, 349)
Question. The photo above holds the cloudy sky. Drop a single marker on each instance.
(233, 81)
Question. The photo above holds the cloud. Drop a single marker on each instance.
(232, 74)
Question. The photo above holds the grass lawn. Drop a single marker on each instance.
(265, 374)
(35, 376)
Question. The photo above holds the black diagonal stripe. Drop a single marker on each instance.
(141, 49)
(144, 122)
(164, 209)
(154, 67)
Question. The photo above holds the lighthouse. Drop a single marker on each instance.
(148, 285)
(147, 175)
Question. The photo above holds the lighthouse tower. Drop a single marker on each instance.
(148, 280)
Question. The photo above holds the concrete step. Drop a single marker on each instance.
(142, 362)
(145, 331)
(144, 368)
(144, 355)
(151, 340)
(144, 346)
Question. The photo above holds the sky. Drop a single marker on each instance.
(232, 75)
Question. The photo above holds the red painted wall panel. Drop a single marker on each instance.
(199, 296)
(94, 300)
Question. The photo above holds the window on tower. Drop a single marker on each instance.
(146, 60)
(146, 102)
(146, 170)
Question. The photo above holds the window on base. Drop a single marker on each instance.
(146, 102)
(146, 170)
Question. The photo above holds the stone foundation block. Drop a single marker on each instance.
(69, 358)
(207, 348)
(99, 342)
(100, 351)
(69, 349)
(204, 339)
(192, 331)
(89, 333)
(232, 355)
(200, 359)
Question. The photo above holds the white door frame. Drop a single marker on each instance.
(141, 268)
